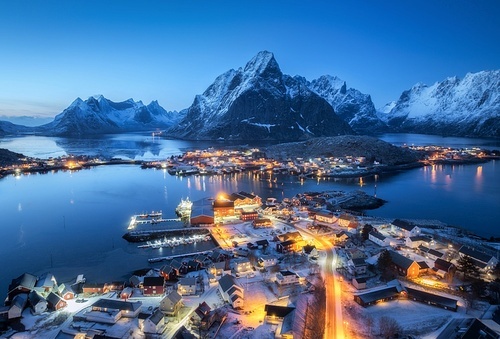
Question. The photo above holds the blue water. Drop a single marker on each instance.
(72, 222)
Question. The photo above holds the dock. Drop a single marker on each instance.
(143, 219)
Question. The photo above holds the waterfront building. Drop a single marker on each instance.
(223, 208)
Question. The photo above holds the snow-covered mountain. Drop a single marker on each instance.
(351, 105)
(467, 107)
(8, 128)
(98, 115)
(259, 102)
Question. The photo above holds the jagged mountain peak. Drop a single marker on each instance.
(263, 64)
(259, 102)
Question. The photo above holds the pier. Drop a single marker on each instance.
(142, 219)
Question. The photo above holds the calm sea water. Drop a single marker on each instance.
(72, 222)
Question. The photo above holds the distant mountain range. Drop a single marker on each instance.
(467, 107)
(259, 102)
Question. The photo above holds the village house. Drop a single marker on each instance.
(231, 291)
(347, 220)
(46, 284)
(241, 265)
(325, 217)
(430, 253)
(218, 268)
(262, 222)
(65, 292)
(186, 286)
(115, 286)
(249, 215)
(340, 237)
(404, 229)
(22, 284)
(483, 261)
(168, 272)
(287, 246)
(127, 293)
(193, 265)
(243, 198)
(37, 302)
(179, 267)
(171, 303)
(284, 318)
(444, 269)
(267, 260)
(404, 266)
(359, 283)
(262, 243)
(109, 311)
(287, 278)
(310, 251)
(379, 239)
(415, 242)
(17, 306)
(153, 286)
(203, 317)
(154, 324)
(219, 255)
(91, 288)
(55, 302)
(357, 266)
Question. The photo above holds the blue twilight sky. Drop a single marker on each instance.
(52, 52)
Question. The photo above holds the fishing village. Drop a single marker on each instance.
(239, 266)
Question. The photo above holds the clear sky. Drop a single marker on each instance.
(52, 52)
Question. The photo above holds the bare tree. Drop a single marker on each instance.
(389, 327)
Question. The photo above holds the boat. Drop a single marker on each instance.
(184, 208)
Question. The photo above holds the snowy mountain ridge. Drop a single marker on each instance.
(461, 107)
(98, 115)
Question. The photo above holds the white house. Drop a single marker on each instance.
(267, 260)
(154, 324)
(37, 302)
(241, 265)
(231, 291)
(483, 261)
(404, 228)
(186, 286)
(414, 242)
(17, 306)
(171, 303)
(287, 278)
(379, 239)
